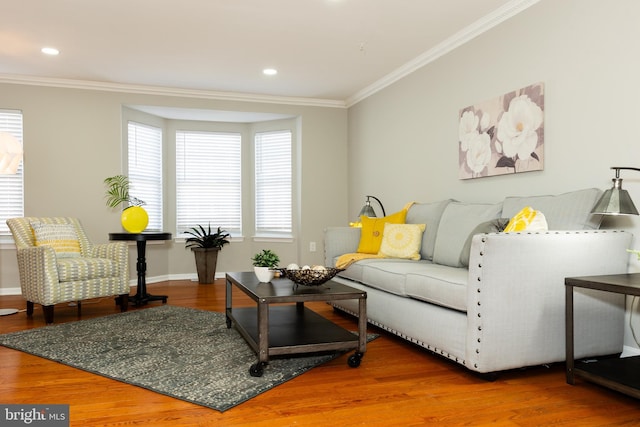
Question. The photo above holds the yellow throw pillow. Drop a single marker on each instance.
(402, 240)
(527, 219)
(372, 229)
(62, 237)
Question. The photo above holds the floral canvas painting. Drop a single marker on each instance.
(504, 135)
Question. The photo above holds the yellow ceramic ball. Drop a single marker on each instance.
(134, 219)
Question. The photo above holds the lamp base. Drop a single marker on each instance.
(8, 311)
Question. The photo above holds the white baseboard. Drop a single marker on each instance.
(133, 282)
(193, 276)
(10, 291)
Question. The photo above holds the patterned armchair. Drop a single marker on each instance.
(57, 263)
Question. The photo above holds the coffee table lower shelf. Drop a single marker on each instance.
(292, 329)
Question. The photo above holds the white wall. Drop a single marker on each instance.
(73, 140)
(403, 140)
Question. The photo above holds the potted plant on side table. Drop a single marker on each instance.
(263, 264)
(205, 245)
(134, 217)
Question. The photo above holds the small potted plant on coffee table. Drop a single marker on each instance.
(205, 246)
(263, 264)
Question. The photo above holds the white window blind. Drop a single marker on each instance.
(273, 175)
(11, 186)
(208, 181)
(145, 169)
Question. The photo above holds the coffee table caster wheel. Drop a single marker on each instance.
(257, 369)
(354, 360)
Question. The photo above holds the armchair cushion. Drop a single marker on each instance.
(62, 237)
(74, 269)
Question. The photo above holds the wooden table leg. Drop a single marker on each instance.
(569, 334)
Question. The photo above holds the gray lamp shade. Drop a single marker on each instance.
(367, 210)
(615, 201)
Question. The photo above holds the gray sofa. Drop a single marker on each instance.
(506, 309)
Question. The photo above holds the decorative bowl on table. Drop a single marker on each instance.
(315, 276)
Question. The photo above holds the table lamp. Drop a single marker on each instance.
(367, 210)
(616, 201)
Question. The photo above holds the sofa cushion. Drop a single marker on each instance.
(402, 241)
(373, 228)
(568, 211)
(354, 271)
(428, 214)
(491, 226)
(458, 219)
(439, 284)
(388, 274)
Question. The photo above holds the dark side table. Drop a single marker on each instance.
(620, 374)
(142, 297)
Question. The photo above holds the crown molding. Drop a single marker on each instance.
(167, 91)
(498, 16)
(501, 14)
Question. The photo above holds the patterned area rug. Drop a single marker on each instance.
(181, 352)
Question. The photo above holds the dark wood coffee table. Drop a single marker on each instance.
(280, 323)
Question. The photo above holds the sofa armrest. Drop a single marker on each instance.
(516, 297)
(338, 241)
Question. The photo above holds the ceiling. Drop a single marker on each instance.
(336, 51)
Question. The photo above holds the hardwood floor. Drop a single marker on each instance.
(397, 384)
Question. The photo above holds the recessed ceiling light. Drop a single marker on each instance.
(269, 71)
(50, 51)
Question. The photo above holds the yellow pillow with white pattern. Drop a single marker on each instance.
(402, 241)
(528, 219)
(61, 237)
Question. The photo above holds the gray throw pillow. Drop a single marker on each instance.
(492, 226)
(457, 220)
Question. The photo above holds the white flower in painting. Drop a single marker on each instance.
(479, 152)
(485, 121)
(467, 129)
(517, 127)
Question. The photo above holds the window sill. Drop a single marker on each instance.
(273, 239)
(237, 239)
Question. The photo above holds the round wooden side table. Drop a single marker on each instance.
(142, 297)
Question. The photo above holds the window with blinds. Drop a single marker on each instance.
(145, 169)
(11, 186)
(273, 184)
(208, 181)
